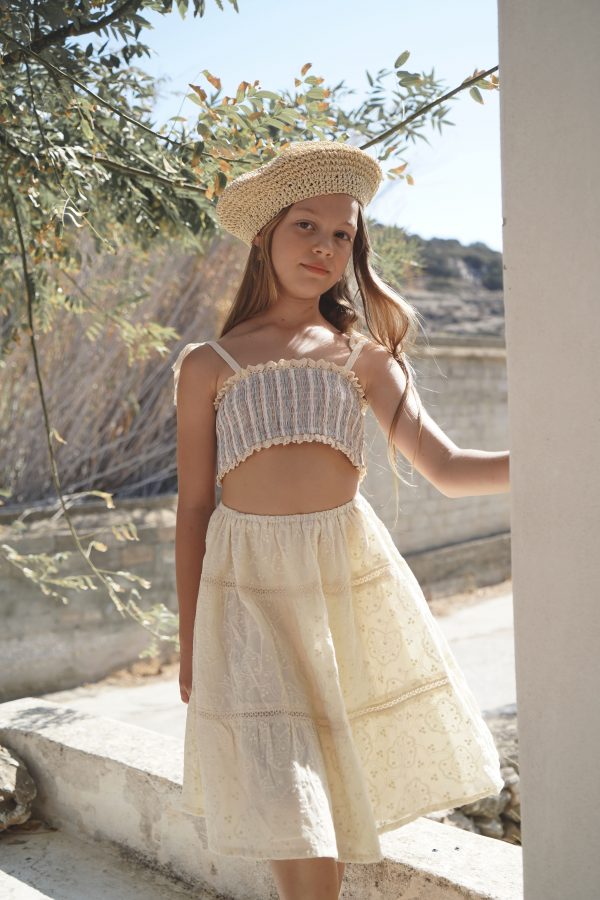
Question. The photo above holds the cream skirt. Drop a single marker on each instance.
(326, 706)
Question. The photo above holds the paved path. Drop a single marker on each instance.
(481, 638)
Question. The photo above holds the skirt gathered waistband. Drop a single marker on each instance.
(282, 518)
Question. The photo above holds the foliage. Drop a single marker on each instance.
(397, 254)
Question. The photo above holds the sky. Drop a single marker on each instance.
(457, 190)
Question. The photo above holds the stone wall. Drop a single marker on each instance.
(46, 645)
(463, 388)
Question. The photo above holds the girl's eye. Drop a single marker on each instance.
(339, 232)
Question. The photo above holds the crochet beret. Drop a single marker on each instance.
(302, 169)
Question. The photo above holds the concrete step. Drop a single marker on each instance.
(49, 863)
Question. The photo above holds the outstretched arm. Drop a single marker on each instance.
(455, 472)
(470, 473)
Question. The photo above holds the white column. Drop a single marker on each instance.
(550, 133)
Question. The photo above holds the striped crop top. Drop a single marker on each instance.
(287, 401)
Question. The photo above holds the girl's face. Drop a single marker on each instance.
(318, 231)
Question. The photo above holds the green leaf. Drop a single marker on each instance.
(476, 94)
(405, 77)
(268, 120)
(86, 130)
(288, 115)
(402, 59)
(235, 117)
(268, 95)
(195, 99)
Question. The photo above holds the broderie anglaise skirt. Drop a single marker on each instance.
(326, 706)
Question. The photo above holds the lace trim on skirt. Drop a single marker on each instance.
(327, 723)
(302, 588)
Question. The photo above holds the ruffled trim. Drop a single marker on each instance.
(305, 363)
(294, 439)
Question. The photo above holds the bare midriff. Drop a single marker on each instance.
(291, 478)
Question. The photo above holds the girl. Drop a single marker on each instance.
(324, 704)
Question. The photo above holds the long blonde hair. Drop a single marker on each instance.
(390, 319)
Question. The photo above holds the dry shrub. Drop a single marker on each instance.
(106, 369)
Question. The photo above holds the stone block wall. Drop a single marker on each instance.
(47, 645)
(464, 389)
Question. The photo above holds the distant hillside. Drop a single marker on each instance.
(456, 288)
(445, 260)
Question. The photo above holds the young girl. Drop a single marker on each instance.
(324, 704)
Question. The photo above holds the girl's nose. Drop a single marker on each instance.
(323, 244)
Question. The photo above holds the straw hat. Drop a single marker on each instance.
(302, 169)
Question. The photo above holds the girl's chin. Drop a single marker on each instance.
(299, 292)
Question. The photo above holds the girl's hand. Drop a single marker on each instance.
(185, 674)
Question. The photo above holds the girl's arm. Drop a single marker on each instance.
(453, 471)
(470, 473)
(196, 483)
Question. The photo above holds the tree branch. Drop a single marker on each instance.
(56, 71)
(185, 186)
(127, 150)
(426, 108)
(70, 30)
(141, 173)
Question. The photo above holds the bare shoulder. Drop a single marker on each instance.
(376, 365)
(199, 357)
(195, 371)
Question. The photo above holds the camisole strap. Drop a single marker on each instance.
(226, 356)
(361, 341)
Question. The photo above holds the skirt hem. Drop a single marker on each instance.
(393, 824)
(308, 853)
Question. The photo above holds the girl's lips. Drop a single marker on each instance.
(315, 269)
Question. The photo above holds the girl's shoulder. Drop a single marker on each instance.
(202, 361)
(187, 350)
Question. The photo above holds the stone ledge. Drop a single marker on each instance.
(107, 781)
(461, 567)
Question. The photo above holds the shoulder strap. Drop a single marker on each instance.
(225, 355)
(360, 343)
